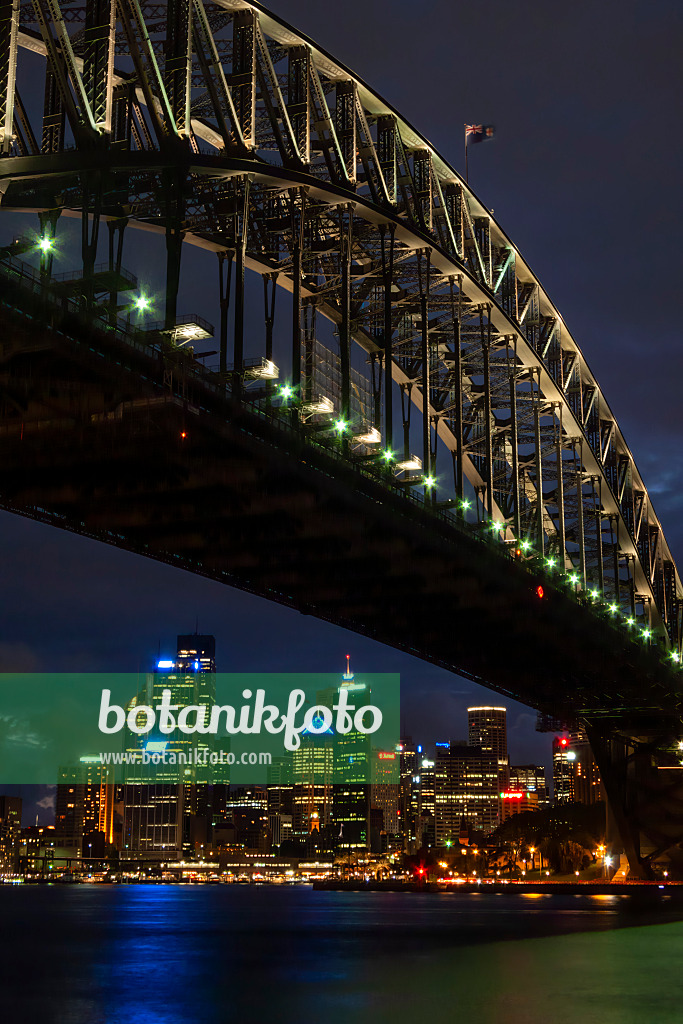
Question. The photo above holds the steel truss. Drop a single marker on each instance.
(223, 127)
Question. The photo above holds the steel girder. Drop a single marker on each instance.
(228, 129)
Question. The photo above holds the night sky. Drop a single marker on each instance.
(584, 175)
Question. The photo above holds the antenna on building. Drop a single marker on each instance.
(348, 674)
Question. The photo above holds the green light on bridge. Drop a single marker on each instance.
(675, 657)
(388, 455)
(574, 579)
(46, 244)
(613, 608)
(551, 563)
(595, 594)
(286, 391)
(630, 622)
(429, 482)
(465, 505)
(646, 633)
(340, 426)
(142, 303)
(525, 545)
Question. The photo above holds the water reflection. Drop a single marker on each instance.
(180, 955)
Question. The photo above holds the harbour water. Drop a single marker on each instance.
(164, 954)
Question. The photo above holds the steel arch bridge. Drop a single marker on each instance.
(451, 392)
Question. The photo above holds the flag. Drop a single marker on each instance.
(478, 133)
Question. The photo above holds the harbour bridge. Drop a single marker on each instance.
(397, 434)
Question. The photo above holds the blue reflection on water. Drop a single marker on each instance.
(186, 954)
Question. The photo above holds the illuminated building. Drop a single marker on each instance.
(517, 802)
(385, 798)
(280, 826)
(166, 819)
(245, 821)
(488, 730)
(408, 770)
(530, 778)
(280, 786)
(84, 807)
(313, 778)
(352, 768)
(424, 802)
(10, 831)
(466, 791)
(576, 777)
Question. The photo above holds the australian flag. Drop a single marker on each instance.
(478, 133)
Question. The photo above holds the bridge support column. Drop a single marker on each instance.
(269, 293)
(387, 277)
(561, 532)
(345, 326)
(91, 185)
(425, 354)
(297, 256)
(241, 232)
(456, 318)
(115, 260)
(174, 210)
(488, 413)
(224, 283)
(539, 473)
(514, 441)
(646, 803)
(579, 502)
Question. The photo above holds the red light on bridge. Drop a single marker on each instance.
(539, 591)
(183, 434)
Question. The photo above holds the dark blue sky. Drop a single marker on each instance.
(584, 175)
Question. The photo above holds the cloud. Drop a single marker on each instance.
(47, 803)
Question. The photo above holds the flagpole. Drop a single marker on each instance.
(467, 173)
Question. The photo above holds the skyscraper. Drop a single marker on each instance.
(530, 778)
(165, 819)
(576, 777)
(84, 807)
(352, 754)
(466, 790)
(488, 730)
(10, 833)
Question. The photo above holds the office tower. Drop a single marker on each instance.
(10, 833)
(488, 730)
(313, 782)
(576, 777)
(246, 811)
(84, 806)
(530, 778)
(280, 785)
(280, 826)
(407, 769)
(166, 819)
(466, 791)
(385, 799)
(424, 801)
(352, 766)
(520, 801)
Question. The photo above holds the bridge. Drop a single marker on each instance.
(401, 437)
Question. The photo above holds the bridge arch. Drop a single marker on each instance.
(223, 127)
